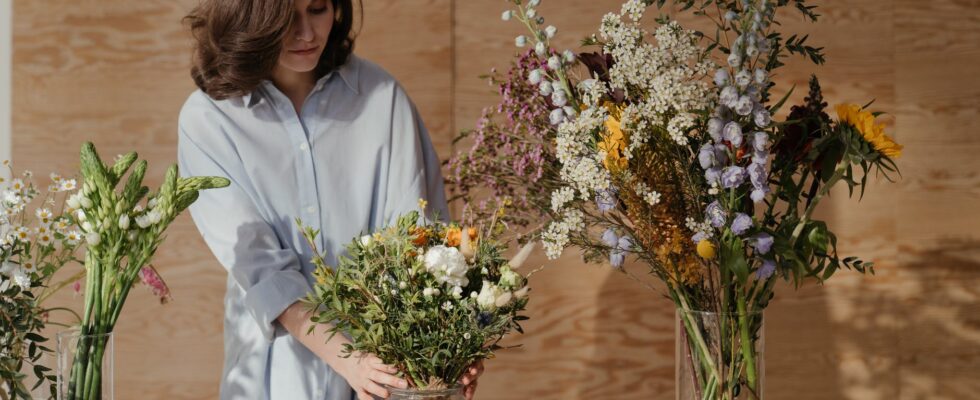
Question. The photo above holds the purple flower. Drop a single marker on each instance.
(758, 175)
(744, 106)
(721, 77)
(557, 116)
(616, 258)
(766, 270)
(716, 214)
(610, 238)
(760, 157)
(606, 200)
(762, 243)
(618, 255)
(758, 194)
(728, 96)
(706, 156)
(733, 133)
(760, 140)
(723, 112)
(715, 125)
(721, 154)
(741, 223)
(732, 177)
(713, 176)
(761, 117)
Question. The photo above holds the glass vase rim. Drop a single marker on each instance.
(76, 331)
(452, 389)
(709, 312)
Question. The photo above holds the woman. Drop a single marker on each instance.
(303, 129)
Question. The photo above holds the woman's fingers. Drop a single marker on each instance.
(376, 389)
(386, 379)
(380, 365)
(470, 391)
(362, 395)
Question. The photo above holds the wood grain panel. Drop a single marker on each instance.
(116, 71)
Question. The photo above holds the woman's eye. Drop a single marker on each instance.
(320, 10)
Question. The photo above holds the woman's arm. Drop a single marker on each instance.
(364, 372)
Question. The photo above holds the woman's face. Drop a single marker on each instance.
(308, 36)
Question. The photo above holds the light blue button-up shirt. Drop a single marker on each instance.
(355, 157)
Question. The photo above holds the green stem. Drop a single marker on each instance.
(748, 351)
(838, 174)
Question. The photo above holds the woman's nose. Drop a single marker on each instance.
(303, 30)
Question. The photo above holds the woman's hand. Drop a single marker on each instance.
(365, 373)
(470, 377)
(368, 375)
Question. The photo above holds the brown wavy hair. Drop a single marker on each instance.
(238, 42)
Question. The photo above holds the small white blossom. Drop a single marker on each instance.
(506, 15)
(534, 76)
(554, 63)
(520, 41)
(540, 49)
(124, 222)
(550, 31)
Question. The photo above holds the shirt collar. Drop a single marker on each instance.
(349, 73)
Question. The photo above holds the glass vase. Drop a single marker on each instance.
(454, 392)
(719, 356)
(84, 366)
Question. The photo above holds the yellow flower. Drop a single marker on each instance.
(614, 140)
(706, 249)
(874, 133)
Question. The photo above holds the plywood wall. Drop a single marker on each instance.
(115, 72)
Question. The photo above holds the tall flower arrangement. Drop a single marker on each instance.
(666, 150)
(122, 234)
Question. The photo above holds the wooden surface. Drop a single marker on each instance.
(115, 72)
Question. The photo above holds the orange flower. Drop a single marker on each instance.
(454, 235)
(421, 236)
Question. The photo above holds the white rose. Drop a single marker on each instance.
(447, 264)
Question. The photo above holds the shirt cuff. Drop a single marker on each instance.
(271, 296)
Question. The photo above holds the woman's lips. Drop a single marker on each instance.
(308, 51)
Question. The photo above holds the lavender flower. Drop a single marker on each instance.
(733, 133)
(557, 116)
(760, 140)
(732, 176)
(715, 126)
(706, 156)
(713, 176)
(757, 174)
(766, 270)
(716, 214)
(698, 237)
(760, 157)
(744, 106)
(741, 224)
(761, 117)
(610, 238)
(721, 77)
(729, 96)
(606, 200)
(743, 78)
(761, 76)
(762, 243)
(758, 195)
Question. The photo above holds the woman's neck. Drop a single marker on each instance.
(295, 85)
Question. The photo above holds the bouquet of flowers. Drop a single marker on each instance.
(428, 298)
(122, 234)
(667, 151)
(35, 243)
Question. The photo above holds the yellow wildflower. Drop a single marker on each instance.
(706, 249)
(874, 133)
(614, 140)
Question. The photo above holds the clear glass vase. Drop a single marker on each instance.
(84, 366)
(454, 392)
(719, 356)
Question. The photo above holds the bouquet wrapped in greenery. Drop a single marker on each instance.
(665, 148)
(35, 243)
(428, 298)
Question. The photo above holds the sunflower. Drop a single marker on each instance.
(873, 133)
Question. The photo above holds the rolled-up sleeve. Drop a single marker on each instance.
(239, 236)
(415, 166)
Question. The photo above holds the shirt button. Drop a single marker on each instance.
(304, 146)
